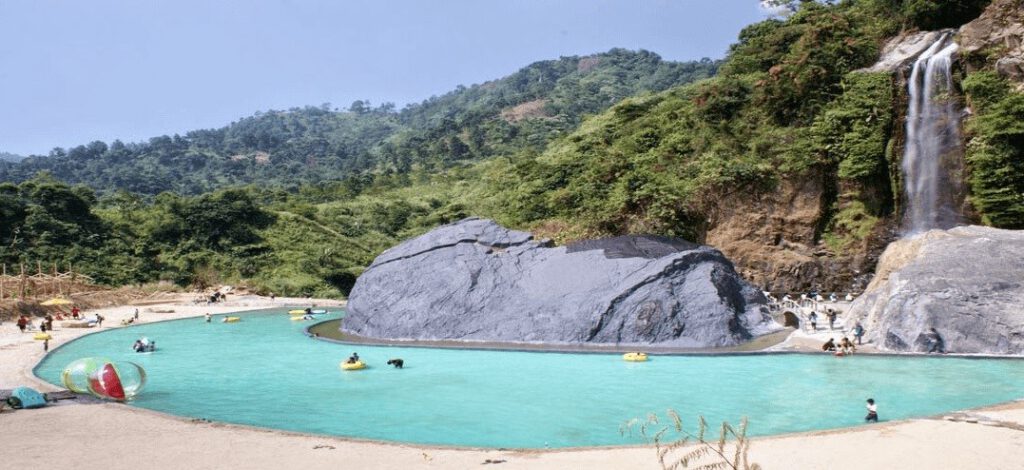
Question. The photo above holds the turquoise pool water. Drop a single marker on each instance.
(264, 371)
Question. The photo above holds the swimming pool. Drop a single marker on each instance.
(264, 371)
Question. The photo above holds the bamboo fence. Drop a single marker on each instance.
(17, 282)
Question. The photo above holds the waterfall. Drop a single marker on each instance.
(932, 158)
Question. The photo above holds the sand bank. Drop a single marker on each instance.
(113, 436)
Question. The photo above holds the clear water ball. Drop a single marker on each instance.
(119, 381)
(76, 375)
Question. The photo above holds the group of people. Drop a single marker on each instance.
(144, 345)
(813, 295)
(46, 324)
(845, 346)
(132, 319)
(217, 296)
(397, 363)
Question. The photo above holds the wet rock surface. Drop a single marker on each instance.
(901, 51)
(966, 282)
(475, 280)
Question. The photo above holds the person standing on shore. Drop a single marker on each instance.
(813, 317)
(136, 315)
(22, 323)
(46, 345)
(831, 314)
(872, 411)
(858, 332)
(99, 320)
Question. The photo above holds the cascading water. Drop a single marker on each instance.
(932, 158)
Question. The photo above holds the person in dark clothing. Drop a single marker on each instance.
(858, 332)
(829, 345)
(935, 342)
(22, 323)
(872, 411)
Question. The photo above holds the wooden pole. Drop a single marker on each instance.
(24, 280)
(3, 278)
(56, 277)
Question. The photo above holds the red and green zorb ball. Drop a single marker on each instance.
(119, 381)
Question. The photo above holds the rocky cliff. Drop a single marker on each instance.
(475, 280)
(780, 239)
(966, 282)
(998, 34)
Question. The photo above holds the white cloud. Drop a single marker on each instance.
(772, 8)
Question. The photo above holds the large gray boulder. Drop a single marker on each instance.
(475, 280)
(966, 282)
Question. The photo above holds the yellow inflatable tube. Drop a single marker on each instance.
(42, 336)
(634, 357)
(353, 365)
(296, 312)
(231, 319)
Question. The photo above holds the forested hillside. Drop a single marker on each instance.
(313, 144)
(157, 210)
(788, 160)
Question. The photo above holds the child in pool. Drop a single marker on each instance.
(872, 411)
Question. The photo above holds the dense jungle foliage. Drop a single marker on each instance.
(528, 150)
(996, 150)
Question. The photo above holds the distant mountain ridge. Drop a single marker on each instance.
(10, 157)
(520, 112)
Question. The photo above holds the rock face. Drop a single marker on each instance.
(475, 280)
(901, 51)
(774, 239)
(966, 282)
(1000, 28)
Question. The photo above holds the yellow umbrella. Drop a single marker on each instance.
(57, 301)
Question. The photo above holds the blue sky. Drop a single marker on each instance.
(76, 71)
